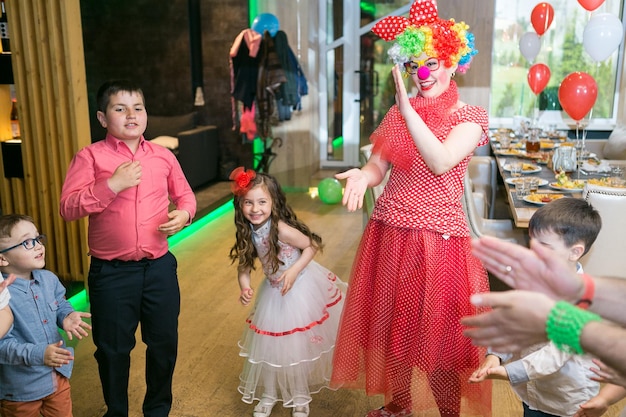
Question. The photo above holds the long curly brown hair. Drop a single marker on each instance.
(244, 249)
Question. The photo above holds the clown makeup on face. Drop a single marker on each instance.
(433, 77)
(424, 35)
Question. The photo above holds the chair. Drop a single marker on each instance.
(606, 256)
(484, 174)
(479, 226)
(196, 146)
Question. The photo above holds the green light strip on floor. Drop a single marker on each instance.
(79, 301)
(198, 224)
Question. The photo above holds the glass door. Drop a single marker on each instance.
(357, 82)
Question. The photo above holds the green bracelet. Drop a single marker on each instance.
(565, 325)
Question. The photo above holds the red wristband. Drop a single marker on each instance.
(590, 289)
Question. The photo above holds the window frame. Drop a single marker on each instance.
(559, 118)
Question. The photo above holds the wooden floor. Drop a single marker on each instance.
(211, 323)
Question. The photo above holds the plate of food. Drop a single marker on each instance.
(510, 152)
(542, 198)
(546, 145)
(570, 186)
(608, 182)
(565, 183)
(539, 157)
(517, 180)
(526, 168)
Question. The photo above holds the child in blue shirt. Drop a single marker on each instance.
(35, 366)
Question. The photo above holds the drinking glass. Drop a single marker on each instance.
(522, 188)
(516, 168)
(533, 185)
(505, 142)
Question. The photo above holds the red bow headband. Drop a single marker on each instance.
(422, 12)
(242, 180)
(425, 32)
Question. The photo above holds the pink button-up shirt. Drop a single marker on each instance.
(124, 225)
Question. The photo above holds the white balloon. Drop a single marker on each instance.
(603, 34)
(529, 45)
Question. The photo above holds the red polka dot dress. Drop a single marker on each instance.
(411, 282)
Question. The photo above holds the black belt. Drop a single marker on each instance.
(118, 262)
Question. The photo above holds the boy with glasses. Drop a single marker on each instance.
(35, 366)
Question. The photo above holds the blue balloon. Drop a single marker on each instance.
(265, 21)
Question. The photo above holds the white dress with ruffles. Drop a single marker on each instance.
(288, 340)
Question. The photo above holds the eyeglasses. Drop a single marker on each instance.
(28, 243)
(411, 67)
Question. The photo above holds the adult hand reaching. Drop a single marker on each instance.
(535, 269)
(517, 320)
(356, 185)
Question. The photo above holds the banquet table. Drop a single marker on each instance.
(522, 211)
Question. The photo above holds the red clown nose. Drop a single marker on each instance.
(423, 72)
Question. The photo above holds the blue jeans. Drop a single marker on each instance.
(535, 413)
(122, 295)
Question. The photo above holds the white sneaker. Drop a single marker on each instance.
(264, 407)
(300, 411)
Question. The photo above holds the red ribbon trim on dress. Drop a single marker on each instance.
(297, 329)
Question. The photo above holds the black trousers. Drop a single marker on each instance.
(535, 413)
(123, 294)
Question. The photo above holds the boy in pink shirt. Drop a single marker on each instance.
(124, 184)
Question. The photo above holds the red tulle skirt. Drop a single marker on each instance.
(400, 334)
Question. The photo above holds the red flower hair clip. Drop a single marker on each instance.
(241, 180)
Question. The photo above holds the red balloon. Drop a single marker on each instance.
(577, 94)
(541, 17)
(538, 77)
(590, 5)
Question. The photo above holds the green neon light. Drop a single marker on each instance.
(253, 9)
(338, 142)
(198, 224)
(368, 8)
(258, 146)
(79, 301)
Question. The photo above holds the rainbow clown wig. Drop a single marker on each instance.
(425, 32)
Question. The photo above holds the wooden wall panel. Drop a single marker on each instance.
(48, 64)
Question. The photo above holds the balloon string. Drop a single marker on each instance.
(535, 111)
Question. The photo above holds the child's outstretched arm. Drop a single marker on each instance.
(296, 238)
(489, 369)
(73, 325)
(598, 405)
(244, 285)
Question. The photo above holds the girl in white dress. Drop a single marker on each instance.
(289, 336)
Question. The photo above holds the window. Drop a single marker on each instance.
(561, 49)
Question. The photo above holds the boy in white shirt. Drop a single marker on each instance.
(550, 382)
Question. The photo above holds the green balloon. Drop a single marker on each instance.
(330, 191)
